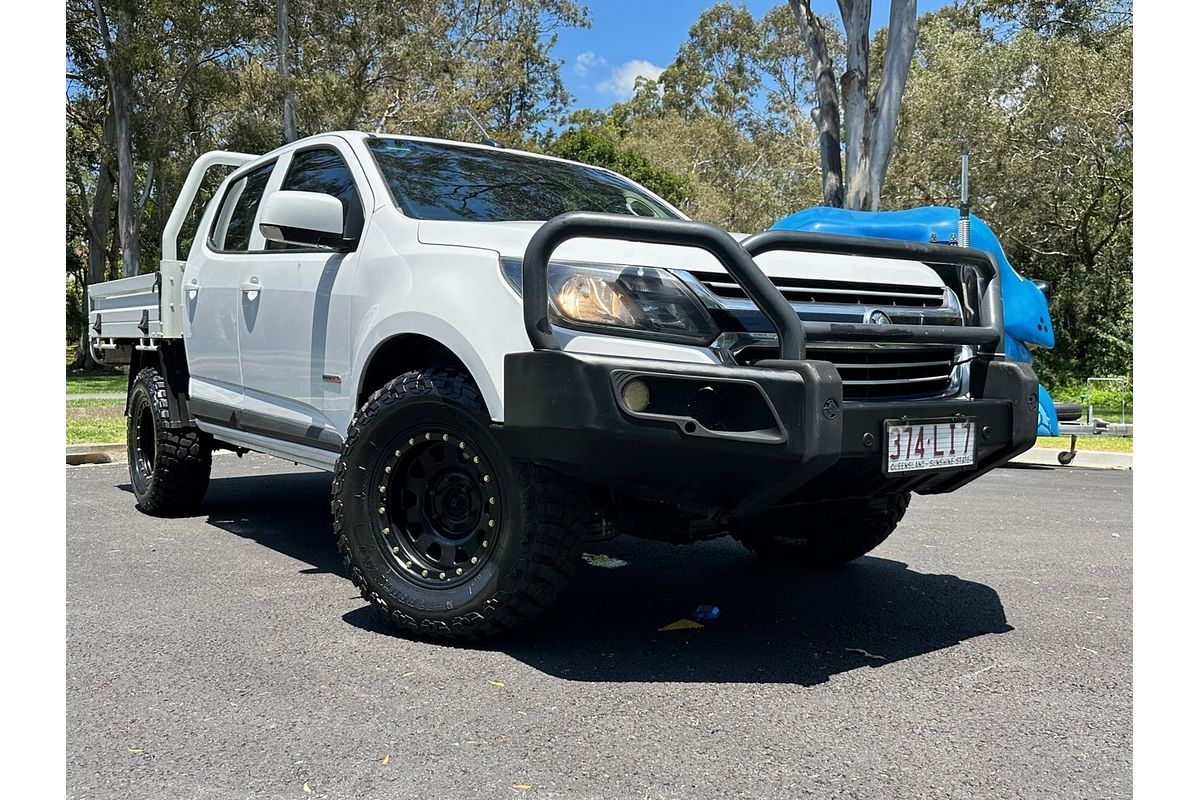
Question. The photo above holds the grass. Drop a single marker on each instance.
(1107, 444)
(95, 421)
(95, 402)
(92, 383)
(95, 430)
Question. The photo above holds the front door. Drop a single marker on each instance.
(294, 311)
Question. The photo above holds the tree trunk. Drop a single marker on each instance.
(281, 45)
(856, 17)
(120, 87)
(897, 58)
(826, 115)
(870, 123)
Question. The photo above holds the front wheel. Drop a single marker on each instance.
(439, 529)
(169, 465)
(823, 535)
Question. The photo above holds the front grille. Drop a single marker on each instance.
(885, 372)
(809, 290)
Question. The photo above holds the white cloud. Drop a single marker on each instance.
(623, 78)
(587, 61)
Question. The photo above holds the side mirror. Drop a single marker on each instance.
(306, 219)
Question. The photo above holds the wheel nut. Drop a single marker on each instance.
(458, 571)
(445, 437)
(474, 560)
(462, 445)
(442, 575)
(383, 490)
(424, 573)
(382, 510)
(398, 452)
(387, 531)
(476, 459)
(487, 478)
(491, 523)
(491, 501)
(428, 436)
(396, 551)
(485, 542)
(410, 441)
(388, 470)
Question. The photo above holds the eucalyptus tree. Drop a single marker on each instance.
(861, 122)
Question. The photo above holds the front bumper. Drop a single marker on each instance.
(775, 434)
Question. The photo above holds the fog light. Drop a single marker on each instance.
(636, 395)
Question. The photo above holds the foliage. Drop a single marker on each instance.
(1102, 395)
(203, 77)
(1048, 123)
(592, 147)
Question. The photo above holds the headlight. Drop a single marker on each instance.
(642, 301)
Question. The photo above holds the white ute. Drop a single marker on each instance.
(501, 355)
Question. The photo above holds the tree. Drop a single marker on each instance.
(589, 146)
(869, 120)
(1048, 120)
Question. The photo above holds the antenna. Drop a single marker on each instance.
(964, 207)
(487, 137)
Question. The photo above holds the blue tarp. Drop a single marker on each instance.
(1026, 312)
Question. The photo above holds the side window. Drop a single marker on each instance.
(324, 170)
(235, 222)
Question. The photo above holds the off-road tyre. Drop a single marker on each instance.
(387, 535)
(168, 466)
(824, 535)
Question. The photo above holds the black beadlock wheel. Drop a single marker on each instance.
(169, 466)
(442, 532)
(823, 535)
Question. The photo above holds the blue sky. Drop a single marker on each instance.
(632, 37)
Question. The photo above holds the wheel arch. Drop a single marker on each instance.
(171, 362)
(402, 352)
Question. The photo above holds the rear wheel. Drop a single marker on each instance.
(440, 530)
(823, 535)
(169, 466)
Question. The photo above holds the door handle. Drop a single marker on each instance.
(192, 288)
(251, 288)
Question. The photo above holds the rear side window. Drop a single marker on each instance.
(324, 170)
(235, 222)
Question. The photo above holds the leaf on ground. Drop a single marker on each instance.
(136, 750)
(862, 652)
(307, 788)
(386, 759)
(681, 625)
(601, 560)
(497, 684)
(522, 787)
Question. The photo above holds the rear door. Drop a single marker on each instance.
(294, 311)
(212, 297)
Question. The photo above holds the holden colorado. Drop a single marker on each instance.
(500, 356)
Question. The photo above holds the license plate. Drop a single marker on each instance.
(916, 445)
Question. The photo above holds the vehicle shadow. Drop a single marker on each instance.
(776, 624)
(288, 513)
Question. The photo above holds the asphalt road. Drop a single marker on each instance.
(984, 651)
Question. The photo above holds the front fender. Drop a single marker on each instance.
(416, 322)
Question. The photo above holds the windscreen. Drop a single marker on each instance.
(430, 180)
